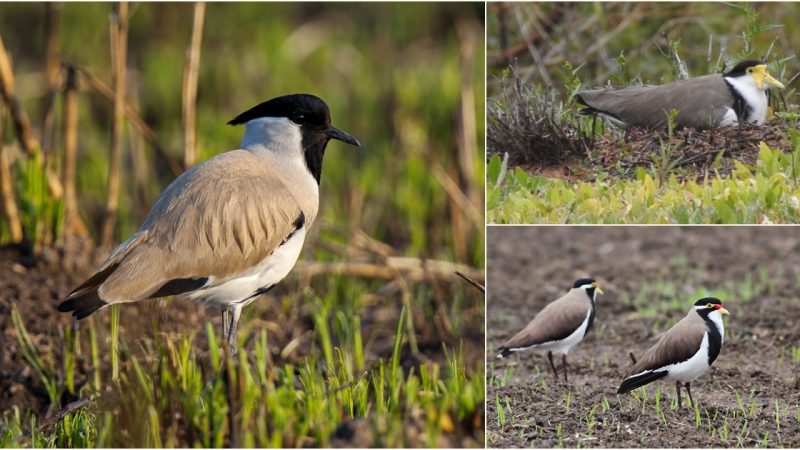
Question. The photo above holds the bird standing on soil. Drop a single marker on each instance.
(228, 229)
(559, 326)
(684, 352)
(710, 101)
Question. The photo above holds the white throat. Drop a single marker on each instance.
(279, 142)
(716, 317)
(754, 96)
(276, 134)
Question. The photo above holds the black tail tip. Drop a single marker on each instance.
(81, 307)
(503, 352)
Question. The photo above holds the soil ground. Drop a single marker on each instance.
(37, 284)
(530, 266)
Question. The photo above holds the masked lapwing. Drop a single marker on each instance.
(228, 229)
(709, 101)
(685, 352)
(559, 326)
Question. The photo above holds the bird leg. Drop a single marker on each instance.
(689, 391)
(678, 391)
(564, 360)
(230, 326)
(550, 357)
(226, 323)
(234, 329)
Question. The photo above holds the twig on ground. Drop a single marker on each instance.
(472, 282)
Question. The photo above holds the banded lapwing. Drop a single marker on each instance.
(228, 229)
(685, 352)
(709, 101)
(559, 326)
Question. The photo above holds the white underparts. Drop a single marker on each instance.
(563, 346)
(693, 367)
(730, 118)
(755, 98)
(697, 365)
(241, 287)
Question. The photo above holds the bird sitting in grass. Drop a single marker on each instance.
(710, 101)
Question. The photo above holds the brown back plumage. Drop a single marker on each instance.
(701, 103)
(678, 344)
(215, 220)
(556, 321)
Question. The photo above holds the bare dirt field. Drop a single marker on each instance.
(650, 276)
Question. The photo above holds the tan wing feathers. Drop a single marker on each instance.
(678, 344)
(566, 313)
(216, 226)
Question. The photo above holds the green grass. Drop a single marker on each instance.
(398, 91)
(661, 189)
(393, 76)
(765, 193)
(176, 394)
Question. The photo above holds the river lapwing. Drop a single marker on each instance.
(684, 352)
(228, 229)
(709, 101)
(559, 326)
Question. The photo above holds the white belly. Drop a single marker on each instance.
(563, 346)
(693, 367)
(730, 118)
(241, 287)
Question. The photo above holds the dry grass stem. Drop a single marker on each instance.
(119, 51)
(10, 209)
(469, 280)
(52, 71)
(133, 116)
(190, 78)
(22, 124)
(73, 225)
(413, 269)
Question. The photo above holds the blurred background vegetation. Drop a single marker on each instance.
(538, 38)
(392, 75)
(397, 217)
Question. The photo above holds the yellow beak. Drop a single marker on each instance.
(723, 311)
(762, 76)
(597, 288)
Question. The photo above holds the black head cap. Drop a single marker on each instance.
(741, 68)
(708, 300)
(299, 108)
(582, 282)
(314, 118)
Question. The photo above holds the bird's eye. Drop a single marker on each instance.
(749, 70)
(298, 119)
(709, 305)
